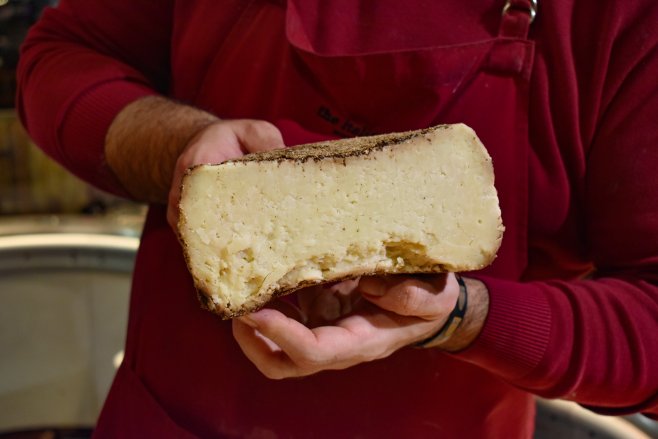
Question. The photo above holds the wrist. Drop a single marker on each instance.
(453, 320)
(466, 330)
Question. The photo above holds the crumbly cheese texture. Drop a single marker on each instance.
(271, 223)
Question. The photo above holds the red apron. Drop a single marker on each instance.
(183, 374)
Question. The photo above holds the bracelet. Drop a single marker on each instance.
(455, 319)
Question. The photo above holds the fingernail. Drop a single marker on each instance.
(247, 320)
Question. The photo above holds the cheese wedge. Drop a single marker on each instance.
(270, 223)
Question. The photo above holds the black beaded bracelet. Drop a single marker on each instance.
(454, 319)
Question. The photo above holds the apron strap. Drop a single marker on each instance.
(517, 16)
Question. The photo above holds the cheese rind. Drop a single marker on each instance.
(270, 223)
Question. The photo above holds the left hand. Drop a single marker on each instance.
(397, 311)
(217, 142)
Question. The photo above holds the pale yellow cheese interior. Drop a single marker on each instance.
(254, 227)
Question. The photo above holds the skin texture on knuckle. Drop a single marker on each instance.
(264, 133)
(268, 129)
(308, 365)
(411, 301)
(314, 358)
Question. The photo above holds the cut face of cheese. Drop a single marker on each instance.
(271, 223)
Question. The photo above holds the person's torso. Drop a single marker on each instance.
(335, 69)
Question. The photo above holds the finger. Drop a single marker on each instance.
(385, 331)
(311, 350)
(287, 308)
(427, 297)
(306, 297)
(325, 309)
(370, 335)
(258, 135)
(327, 303)
(268, 358)
(215, 144)
(290, 335)
(318, 305)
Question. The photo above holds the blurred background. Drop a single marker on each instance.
(66, 256)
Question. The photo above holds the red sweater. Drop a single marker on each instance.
(593, 209)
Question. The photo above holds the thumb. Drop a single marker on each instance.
(258, 135)
(429, 296)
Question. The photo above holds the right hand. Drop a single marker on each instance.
(218, 142)
(327, 333)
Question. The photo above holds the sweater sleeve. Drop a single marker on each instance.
(594, 341)
(80, 65)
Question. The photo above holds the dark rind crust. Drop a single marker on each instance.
(337, 149)
(332, 149)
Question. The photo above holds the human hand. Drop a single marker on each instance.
(216, 143)
(397, 311)
(324, 304)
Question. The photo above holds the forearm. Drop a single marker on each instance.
(145, 140)
(587, 341)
